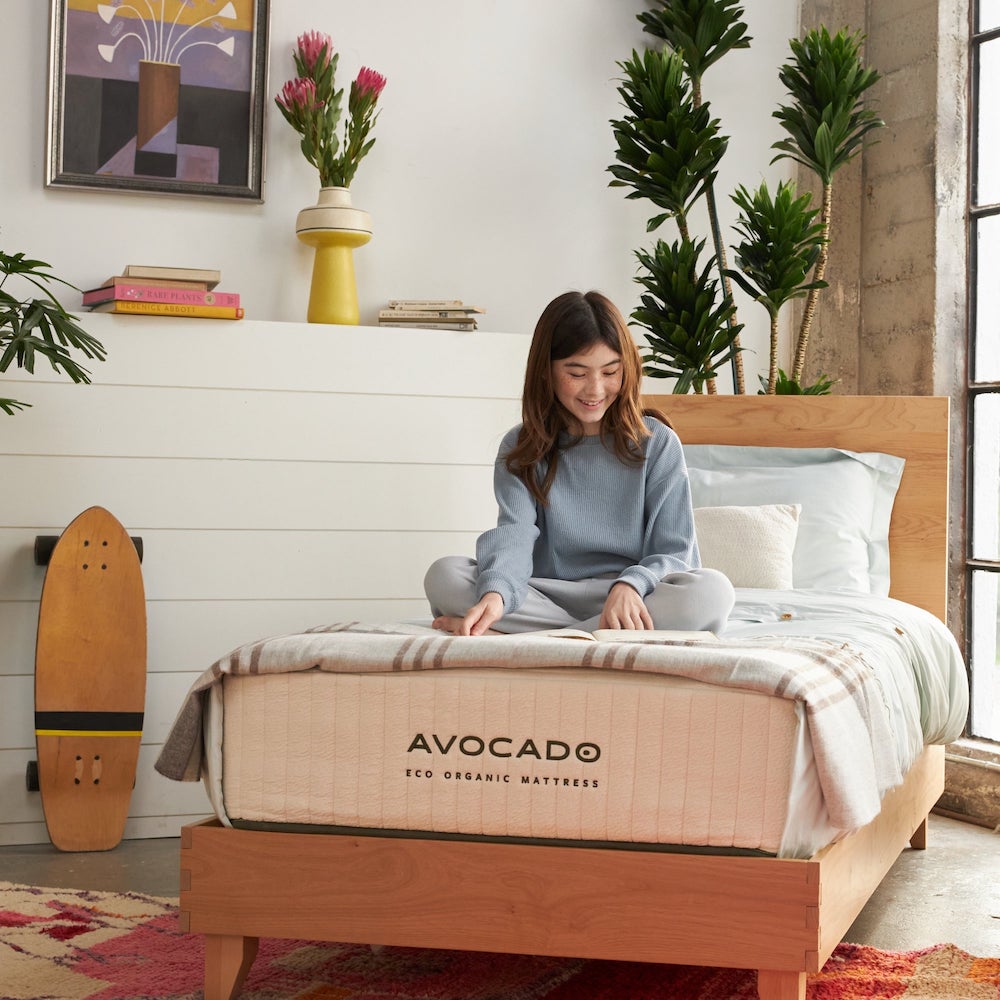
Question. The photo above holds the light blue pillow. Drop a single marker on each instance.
(846, 499)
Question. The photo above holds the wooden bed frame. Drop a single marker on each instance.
(780, 917)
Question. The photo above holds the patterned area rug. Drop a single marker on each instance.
(61, 944)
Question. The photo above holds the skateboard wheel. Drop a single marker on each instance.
(31, 776)
(137, 542)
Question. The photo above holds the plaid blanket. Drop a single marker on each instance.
(843, 700)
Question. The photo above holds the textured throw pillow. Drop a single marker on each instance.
(846, 499)
(753, 546)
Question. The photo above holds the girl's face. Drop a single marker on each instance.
(587, 384)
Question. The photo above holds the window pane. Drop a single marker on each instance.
(986, 477)
(985, 646)
(989, 15)
(988, 119)
(986, 361)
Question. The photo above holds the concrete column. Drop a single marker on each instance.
(892, 321)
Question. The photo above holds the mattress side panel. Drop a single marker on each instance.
(574, 754)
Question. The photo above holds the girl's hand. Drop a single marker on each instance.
(477, 619)
(624, 608)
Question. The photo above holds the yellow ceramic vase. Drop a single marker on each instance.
(334, 228)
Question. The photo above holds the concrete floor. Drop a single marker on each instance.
(950, 892)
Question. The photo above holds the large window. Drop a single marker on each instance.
(984, 375)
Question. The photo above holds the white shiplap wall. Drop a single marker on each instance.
(280, 475)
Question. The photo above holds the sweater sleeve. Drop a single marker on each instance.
(669, 543)
(505, 554)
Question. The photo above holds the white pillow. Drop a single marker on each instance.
(846, 499)
(753, 546)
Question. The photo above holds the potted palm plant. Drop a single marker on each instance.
(39, 326)
(668, 150)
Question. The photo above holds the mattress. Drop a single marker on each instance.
(574, 755)
(781, 737)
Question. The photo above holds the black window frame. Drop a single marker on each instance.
(975, 388)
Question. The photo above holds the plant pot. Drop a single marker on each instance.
(334, 228)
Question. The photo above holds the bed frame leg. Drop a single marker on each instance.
(773, 985)
(919, 839)
(227, 962)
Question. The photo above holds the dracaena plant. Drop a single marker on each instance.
(668, 152)
(697, 34)
(781, 243)
(826, 125)
(668, 148)
(702, 32)
(38, 325)
(311, 104)
(689, 331)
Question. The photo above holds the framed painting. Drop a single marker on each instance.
(158, 95)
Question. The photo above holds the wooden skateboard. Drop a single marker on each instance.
(90, 681)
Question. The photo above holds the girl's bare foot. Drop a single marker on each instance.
(453, 626)
(447, 623)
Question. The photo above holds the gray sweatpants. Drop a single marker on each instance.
(692, 600)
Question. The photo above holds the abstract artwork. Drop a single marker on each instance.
(158, 95)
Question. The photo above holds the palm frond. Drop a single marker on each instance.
(39, 326)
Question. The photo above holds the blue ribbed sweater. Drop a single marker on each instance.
(603, 517)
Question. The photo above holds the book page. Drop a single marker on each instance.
(627, 634)
(566, 633)
(648, 635)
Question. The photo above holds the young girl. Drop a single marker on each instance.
(595, 526)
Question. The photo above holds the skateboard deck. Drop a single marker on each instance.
(90, 682)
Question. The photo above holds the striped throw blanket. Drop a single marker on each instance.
(844, 703)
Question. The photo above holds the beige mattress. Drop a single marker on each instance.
(572, 754)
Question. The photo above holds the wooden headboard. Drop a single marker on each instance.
(913, 427)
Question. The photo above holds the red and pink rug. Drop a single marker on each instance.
(63, 944)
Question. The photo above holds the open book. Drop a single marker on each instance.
(628, 634)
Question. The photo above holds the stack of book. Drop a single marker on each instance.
(165, 291)
(431, 314)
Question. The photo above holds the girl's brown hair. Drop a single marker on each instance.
(570, 324)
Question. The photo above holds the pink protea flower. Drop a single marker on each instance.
(298, 96)
(311, 45)
(311, 104)
(369, 82)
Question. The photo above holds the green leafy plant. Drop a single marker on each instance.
(826, 125)
(39, 326)
(783, 252)
(668, 148)
(702, 32)
(781, 242)
(785, 386)
(689, 331)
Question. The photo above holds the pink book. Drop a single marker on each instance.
(159, 293)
